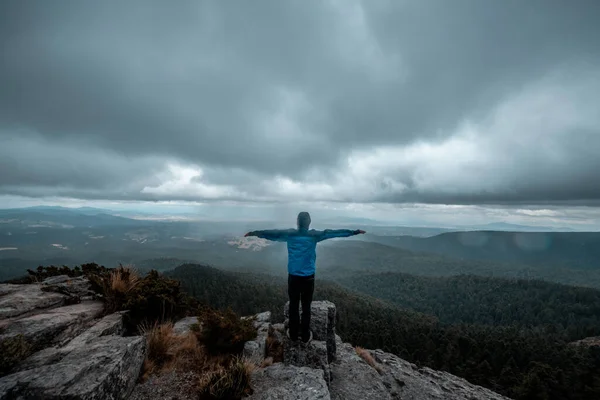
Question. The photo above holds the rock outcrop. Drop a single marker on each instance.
(74, 352)
(255, 350)
(328, 368)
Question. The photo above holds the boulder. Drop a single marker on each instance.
(18, 300)
(322, 324)
(312, 355)
(288, 382)
(410, 382)
(54, 326)
(353, 379)
(183, 325)
(262, 318)
(106, 368)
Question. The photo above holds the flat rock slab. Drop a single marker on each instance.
(17, 300)
(280, 382)
(54, 325)
(106, 368)
(353, 379)
(410, 382)
(74, 288)
(110, 325)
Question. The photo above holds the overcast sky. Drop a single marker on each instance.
(482, 110)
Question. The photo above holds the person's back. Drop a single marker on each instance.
(301, 244)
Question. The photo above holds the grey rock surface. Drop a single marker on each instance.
(353, 379)
(410, 382)
(322, 324)
(53, 280)
(255, 350)
(262, 318)
(18, 300)
(110, 325)
(76, 289)
(179, 385)
(106, 368)
(281, 382)
(183, 325)
(55, 325)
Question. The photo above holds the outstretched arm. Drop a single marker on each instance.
(276, 235)
(339, 233)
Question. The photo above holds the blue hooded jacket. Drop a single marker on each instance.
(302, 245)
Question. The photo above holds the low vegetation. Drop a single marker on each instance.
(218, 375)
(274, 347)
(152, 298)
(230, 382)
(225, 332)
(13, 350)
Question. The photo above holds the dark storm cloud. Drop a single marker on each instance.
(270, 99)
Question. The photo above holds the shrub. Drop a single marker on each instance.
(157, 298)
(231, 382)
(225, 331)
(42, 272)
(13, 350)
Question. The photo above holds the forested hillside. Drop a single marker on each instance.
(523, 361)
(559, 309)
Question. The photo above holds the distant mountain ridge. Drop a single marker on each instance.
(573, 249)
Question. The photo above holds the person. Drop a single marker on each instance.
(301, 245)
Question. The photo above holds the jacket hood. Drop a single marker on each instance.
(303, 220)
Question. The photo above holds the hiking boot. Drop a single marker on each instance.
(292, 338)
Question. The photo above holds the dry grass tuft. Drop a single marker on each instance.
(149, 368)
(124, 279)
(366, 355)
(168, 351)
(231, 382)
(116, 286)
(160, 340)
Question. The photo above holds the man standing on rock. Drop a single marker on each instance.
(301, 244)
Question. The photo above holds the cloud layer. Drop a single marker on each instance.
(463, 102)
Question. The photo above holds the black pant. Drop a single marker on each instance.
(300, 289)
